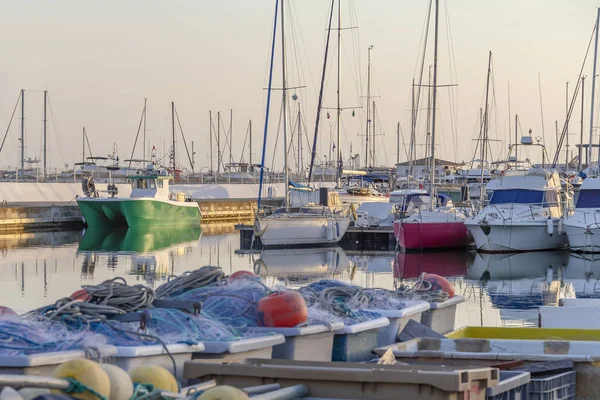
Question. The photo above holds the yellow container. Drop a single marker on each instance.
(476, 332)
(180, 196)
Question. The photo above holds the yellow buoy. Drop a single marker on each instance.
(88, 373)
(224, 393)
(156, 376)
(121, 387)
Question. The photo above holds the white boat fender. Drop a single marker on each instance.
(561, 226)
(329, 231)
(256, 229)
(550, 225)
(549, 275)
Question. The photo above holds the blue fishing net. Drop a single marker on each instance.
(170, 325)
(233, 304)
(19, 336)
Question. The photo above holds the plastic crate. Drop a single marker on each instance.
(555, 387)
(355, 343)
(313, 342)
(513, 385)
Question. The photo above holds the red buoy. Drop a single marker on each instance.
(81, 294)
(440, 283)
(241, 274)
(282, 310)
(6, 311)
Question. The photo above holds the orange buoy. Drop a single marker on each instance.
(241, 274)
(81, 294)
(6, 311)
(282, 310)
(440, 283)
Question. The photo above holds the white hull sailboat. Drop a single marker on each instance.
(304, 227)
(307, 226)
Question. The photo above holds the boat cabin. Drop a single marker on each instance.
(535, 188)
(152, 184)
(589, 194)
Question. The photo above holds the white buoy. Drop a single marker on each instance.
(561, 226)
(550, 225)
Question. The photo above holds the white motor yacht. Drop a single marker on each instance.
(583, 227)
(523, 214)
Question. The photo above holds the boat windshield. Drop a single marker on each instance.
(589, 198)
(144, 183)
(519, 196)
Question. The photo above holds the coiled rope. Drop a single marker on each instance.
(117, 294)
(189, 280)
(421, 290)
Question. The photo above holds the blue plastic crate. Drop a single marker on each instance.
(555, 387)
(513, 385)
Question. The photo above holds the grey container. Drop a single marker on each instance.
(358, 381)
(312, 342)
(513, 385)
(555, 387)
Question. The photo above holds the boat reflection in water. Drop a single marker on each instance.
(299, 267)
(583, 273)
(148, 252)
(449, 264)
(518, 284)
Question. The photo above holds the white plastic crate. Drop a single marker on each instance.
(43, 364)
(355, 343)
(441, 317)
(312, 342)
(237, 350)
(398, 320)
(129, 357)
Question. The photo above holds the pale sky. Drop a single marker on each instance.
(100, 59)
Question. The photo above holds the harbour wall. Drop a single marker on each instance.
(35, 206)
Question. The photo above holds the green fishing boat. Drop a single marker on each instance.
(150, 203)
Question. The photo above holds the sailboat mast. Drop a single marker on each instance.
(567, 123)
(428, 132)
(299, 142)
(398, 144)
(173, 130)
(230, 135)
(22, 132)
(283, 105)
(218, 142)
(144, 139)
(83, 144)
(373, 164)
(435, 53)
(367, 151)
(339, 47)
(45, 121)
(412, 130)
(250, 147)
(581, 122)
(210, 133)
(485, 122)
(593, 89)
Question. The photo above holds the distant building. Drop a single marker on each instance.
(421, 167)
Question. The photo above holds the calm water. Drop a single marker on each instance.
(39, 268)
